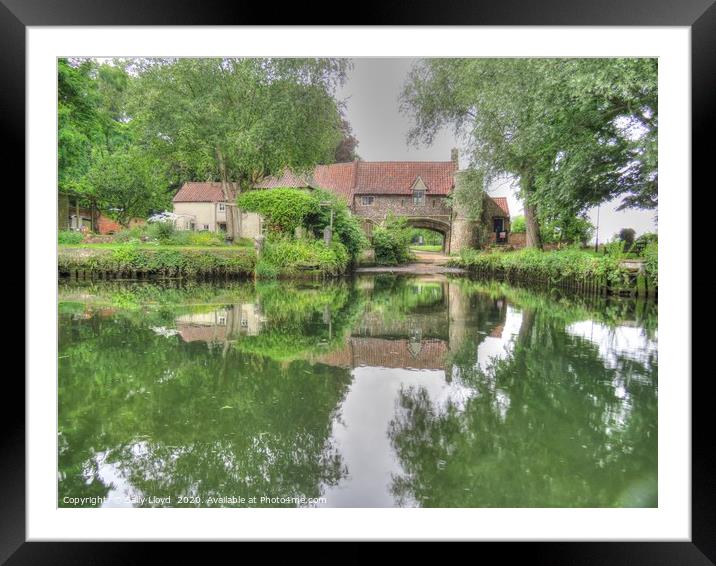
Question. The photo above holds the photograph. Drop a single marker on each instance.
(357, 282)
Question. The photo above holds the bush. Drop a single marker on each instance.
(285, 256)
(283, 210)
(651, 255)
(69, 237)
(162, 231)
(129, 235)
(391, 241)
(552, 266)
(346, 226)
(615, 249)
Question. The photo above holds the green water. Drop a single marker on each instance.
(383, 391)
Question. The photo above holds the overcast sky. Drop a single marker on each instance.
(371, 93)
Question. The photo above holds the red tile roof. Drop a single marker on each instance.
(287, 179)
(398, 177)
(371, 177)
(502, 203)
(200, 192)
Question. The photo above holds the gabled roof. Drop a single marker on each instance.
(501, 202)
(370, 178)
(398, 177)
(200, 192)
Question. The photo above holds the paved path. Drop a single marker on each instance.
(426, 263)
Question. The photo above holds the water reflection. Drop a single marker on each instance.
(384, 391)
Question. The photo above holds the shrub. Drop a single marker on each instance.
(553, 266)
(286, 256)
(162, 231)
(69, 237)
(284, 210)
(651, 255)
(346, 226)
(615, 249)
(130, 234)
(391, 241)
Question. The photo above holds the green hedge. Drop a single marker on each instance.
(177, 263)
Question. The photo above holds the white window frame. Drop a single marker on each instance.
(367, 200)
(419, 197)
(222, 207)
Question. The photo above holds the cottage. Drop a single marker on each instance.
(202, 206)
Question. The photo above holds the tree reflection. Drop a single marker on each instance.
(549, 425)
(159, 415)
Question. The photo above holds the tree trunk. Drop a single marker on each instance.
(524, 336)
(231, 213)
(533, 238)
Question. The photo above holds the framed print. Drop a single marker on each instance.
(394, 280)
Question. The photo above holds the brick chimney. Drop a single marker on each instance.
(455, 158)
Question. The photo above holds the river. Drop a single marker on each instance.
(381, 391)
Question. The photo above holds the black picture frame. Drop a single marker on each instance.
(699, 15)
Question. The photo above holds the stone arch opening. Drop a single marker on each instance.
(433, 225)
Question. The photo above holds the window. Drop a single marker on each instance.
(206, 226)
(419, 197)
(366, 201)
(222, 207)
(192, 226)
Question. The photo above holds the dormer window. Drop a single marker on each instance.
(419, 190)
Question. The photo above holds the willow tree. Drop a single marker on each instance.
(235, 120)
(573, 132)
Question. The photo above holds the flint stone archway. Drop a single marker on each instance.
(428, 223)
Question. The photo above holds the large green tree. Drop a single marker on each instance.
(573, 132)
(235, 120)
(128, 184)
(80, 123)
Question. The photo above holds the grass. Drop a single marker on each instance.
(427, 248)
(552, 267)
(151, 246)
(171, 260)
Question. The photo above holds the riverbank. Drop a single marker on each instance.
(136, 261)
(279, 260)
(571, 269)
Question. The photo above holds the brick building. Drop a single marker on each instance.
(416, 190)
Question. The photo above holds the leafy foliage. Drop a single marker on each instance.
(286, 209)
(69, 237)
(184, 262)
(283, 210)
(286, 256)
(552, 266)
(128, 184)
(518, 225)
(391, 241)
(567, 228)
